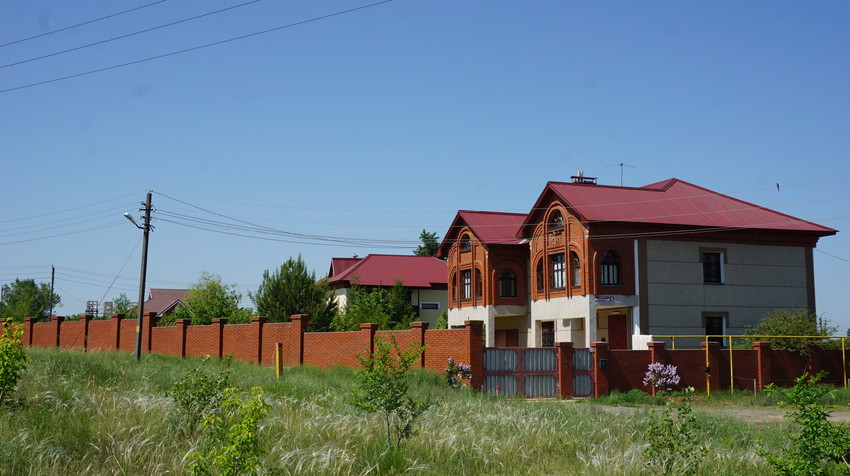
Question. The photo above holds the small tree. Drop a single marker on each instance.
(13, 360)
(821, 447)
(430, 244)
(389, 309)
(796, 322)
(292, 289)
(383, 388)
(674, 446)
(122, 304)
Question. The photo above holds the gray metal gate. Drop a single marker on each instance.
(530, 372)
(582, 377)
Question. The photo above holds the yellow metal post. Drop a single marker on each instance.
(731, 369)
(278, 359)
(708, 367)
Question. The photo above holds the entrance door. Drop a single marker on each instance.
(507, 338)
(617, 331)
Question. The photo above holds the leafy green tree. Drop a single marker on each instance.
(122, 304)
(26, 298)
(430, 244)
(384, 388)
(442, 321)
(783, 322)
(389, 309)
(210, 299)
(291, 289)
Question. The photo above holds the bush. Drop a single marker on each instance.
(674, 447)
(782, 322)
(383, 388)
(197, 394)
(457, 372)
(821, 447)
(661, 377)
(13, 360)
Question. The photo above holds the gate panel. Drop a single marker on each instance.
(582, 377)
(530, 372)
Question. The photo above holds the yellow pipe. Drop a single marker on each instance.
(731, 369)
(708, 367)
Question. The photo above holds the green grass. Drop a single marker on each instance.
(103, 413)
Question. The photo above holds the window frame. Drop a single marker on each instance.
(606, 270)
(713, 270)
(575, 270)
(558, 265)
(466, 285)
(465, 243)
(507, 283)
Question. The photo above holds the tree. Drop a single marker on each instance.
(291, 289)
(389, 309)
(27, 299)
(795, 322)
(430, 244)
(122, 304)
(209, 299)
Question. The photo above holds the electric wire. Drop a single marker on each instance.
(70, 209)
(194, 48)
(128, 35)
(122, 268)
(81, 24)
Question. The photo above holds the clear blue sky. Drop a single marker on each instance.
(375, 124)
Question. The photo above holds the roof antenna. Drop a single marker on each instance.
(621, 165)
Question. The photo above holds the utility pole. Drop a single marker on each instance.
(52, 281)
(146, 228)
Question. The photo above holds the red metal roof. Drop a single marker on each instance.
(489, 227)
(670, 202)
(163, 300)
(376, 270)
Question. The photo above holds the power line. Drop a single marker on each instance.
(834, 256)
(69, 209)
(81, 24)
(194, 48)
(128, 35)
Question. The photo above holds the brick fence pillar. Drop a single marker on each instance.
(657, 353)
(28, 335)
(257, 330)
(764, 371)
(181, 325)
(300, 321)
(116, 330)
(57, 325)
(713, 375)
(218, 336)
(600, 370)
(86, 320)
(475, 343)
(565, 369)
(419, 327)
(148, 323)
(367, 330)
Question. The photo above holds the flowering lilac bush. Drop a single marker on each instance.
(457, 372)
(662, 377)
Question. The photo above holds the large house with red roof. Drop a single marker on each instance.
(424, 278)
(594, 262)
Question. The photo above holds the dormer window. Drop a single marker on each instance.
(465, 243)
(556, 222)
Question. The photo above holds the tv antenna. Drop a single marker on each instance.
(621, 165)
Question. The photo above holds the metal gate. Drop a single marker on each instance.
(530, 372)
(582, 376)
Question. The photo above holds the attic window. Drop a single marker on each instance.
(556, 222)
(465, 243)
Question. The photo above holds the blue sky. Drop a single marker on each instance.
(374, 124)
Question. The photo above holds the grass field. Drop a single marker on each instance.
(103, 413)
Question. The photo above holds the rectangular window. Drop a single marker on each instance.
(466, 283)
(558, 272)
(547, 334)
(712, 267)
(715, 326)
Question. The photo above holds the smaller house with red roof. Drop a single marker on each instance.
(164, 301)
(424, 277)
(621, 264)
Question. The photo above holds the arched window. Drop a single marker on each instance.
(575, 265)
(465, 243)
(610, 269)
(557, 268)
(556, 221)
(454, 289)
(479, 284)
(539, 273)
(507, 284)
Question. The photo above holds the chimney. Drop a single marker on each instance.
(580, 178)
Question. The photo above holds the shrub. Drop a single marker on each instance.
(232, 445)
(383, 388)
(797, 322)
(821, 447)
(196, 394)
(457, 372)
(662, 377)
(674, 447)
(13, 360)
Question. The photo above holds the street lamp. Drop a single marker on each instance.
(146, 228)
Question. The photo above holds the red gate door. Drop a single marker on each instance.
(617, 332)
